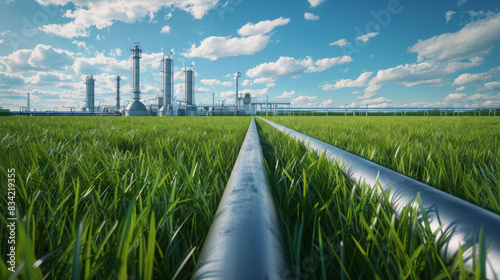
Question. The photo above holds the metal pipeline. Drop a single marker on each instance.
(458, 218)
(245, 240)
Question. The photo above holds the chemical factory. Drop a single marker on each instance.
(165, 103)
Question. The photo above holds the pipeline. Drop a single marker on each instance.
(458, 218)
(245, 240)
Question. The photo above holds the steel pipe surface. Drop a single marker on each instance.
(461, 219)
(245, 240)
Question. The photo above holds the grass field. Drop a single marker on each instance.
(134, 198)
(112, 198)
(337, 231)
(460, 156)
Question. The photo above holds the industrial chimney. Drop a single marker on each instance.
(189, 89)
(168, 70)
(118, 93)
(89, 93)
(136, 108)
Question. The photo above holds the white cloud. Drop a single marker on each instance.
(263, 80)
(303, 100)
(165, 29)
(262, 27)
(491, 86)
(103, 13)
(422, 73)
(315, 3)
(326, 103)
(373, 103)
(310, 16)
(366, 37)
(474, 39)
(215, 82)
(460, 88)
(100, 64)
(341, 43)
(468, 78)
(287, 94)
(49, 78)
(8, 80)
(99, 37)
(42, 57)
(115, 52)
(367, 95)
(448, 15)
(247, 83)
(82, 45)
(216, 47)
(348, 83)
(461, 3)
(228, 94)
(202, 89)
(285, 66)
(255, 92)
(454, 96)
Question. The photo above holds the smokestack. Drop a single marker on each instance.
(238, 74)
(118, 92)
(168, 66)
(136, 79)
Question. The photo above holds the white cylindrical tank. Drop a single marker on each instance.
(90, 93)
(168, 67)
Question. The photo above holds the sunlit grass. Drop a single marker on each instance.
(115, 198)
(460, 156)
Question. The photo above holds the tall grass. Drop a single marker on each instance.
(336, 230)
(114, 198)
(460, 156)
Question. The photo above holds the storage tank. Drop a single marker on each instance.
(90, 93)
(136, 108)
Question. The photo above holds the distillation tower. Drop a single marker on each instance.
(136, 108)
(168, 82)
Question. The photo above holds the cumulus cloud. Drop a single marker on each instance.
(310, 16)
(202, 89)
(103, 13)
(341, 43)
(361, 81)
(468, 78)
(287, 94)
(100, 64)
(460, 88)
(285, 66)
(315, 3)
(215, 47)
(262, 27)
(247, 83)
(165, 29)
(454, 96)
(491, 86)
(263, 80)
(8, 80)
(366, 37)
(42, 57)
(304, 100)
(461, 3)
(423, 73)
(474, 39)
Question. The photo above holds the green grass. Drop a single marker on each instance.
(460, 156)
(335, 230)
(114, 198)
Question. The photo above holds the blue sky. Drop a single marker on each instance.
(309, 52)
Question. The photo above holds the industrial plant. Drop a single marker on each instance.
(165, 104)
